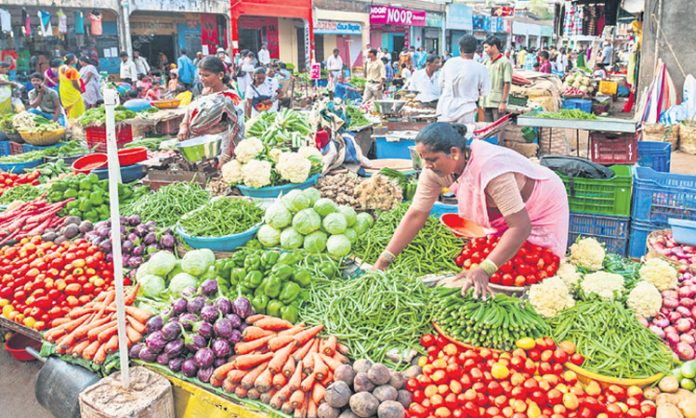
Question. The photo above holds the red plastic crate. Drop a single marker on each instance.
(614, 148)
(16, 148)
(169, 127)
(96, 137)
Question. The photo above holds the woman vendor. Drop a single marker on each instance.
(496, 188)
(260, 95)
(214, 111)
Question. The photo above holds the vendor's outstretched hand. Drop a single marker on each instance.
(478, 280)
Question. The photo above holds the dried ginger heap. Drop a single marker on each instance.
(379, 192)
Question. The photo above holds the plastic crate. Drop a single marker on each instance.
(637, 244)
(169, 127)
(517, 101)
(656, 155)
(29, 147)
(582, 104)
(659, 196)
(608, 87)
(96, 137)
(491, 140)
(601, 196)
(16, 148)
(4, 148)
(612, 231)
(610, 148)
(393, 149)
(683, 232)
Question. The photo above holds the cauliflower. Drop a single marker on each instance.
(274, 154)
(569, 274)
(660, 273)
(307, 152)
(257, 173)
(232, 172)
(293, 167)
(645, 300)
(603, 284)
(248, 149)
(550, 297)
(587, 253)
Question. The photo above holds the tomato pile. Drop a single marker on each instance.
(531, 264)
(41, 281)
(529, 382)
(10, 180)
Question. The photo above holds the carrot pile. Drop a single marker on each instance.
(284, 365)
(29, 219)
(91, 332)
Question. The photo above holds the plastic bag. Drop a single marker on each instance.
(576, 167)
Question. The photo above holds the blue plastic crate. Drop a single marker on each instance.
(393, 149)
(612, 231)
(637, 245)
(657, 197)
(19, 167)
(29, 147)
(656, 155)
(583, 104)
(440, 208)
(491, 140)
(683, 232)
(4, 148)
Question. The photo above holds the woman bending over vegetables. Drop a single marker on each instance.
(496, 188)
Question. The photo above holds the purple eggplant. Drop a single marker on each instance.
(174, 348)
(175, 364)
(179, 306)
(155, 342)
(204, 375)
(242, 307)
(235, 321)
(188, 292)
(243, 326)
(204, 329)
(146, 355)
(209, 287)
(103, 231)
(167, 241)
(194, 342)
(219, 362)
(189, 367)
(123, 229)
(134, 262)
(224, 305)
(140, 230)
(134, 351)
(209, 313)
(127, 246)
(235, 337)
(109, 257)
(154, 324)
(105, 246)
(134, 220)
(196, 304)
(138, 251)
(171, 330)
(151, 224)
(133, 237)
(187, 320)
(221, 347)
(223, 328)
(163, 359)
(150, 238)
(204, 357)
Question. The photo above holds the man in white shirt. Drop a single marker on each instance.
(141, 65)
(264, 55)
(463, 82)
(365, 53)
(128, 73)
(426, 81)
(334, 65)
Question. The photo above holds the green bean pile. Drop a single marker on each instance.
(432, 251)
(23, 193)
(168, 204)
(612, 340)
(567, 114)
(373, 314)
(221, 217)
(22, 158)
(495, 323)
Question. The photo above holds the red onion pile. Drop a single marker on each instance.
(675, 322)
(665, 245)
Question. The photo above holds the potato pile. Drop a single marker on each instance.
(673, 402)
(340, 187)
(365, 390)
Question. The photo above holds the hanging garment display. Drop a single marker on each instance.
(26, 21)
(45, 22)
(79, 23)
(5, 21)
(62, 21)
(95, 25)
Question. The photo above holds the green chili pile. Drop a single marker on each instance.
(22, 193)
(567, 114)
(168, 204)
(373, 315)
(612, 340)
(432, 251)
(221, 217)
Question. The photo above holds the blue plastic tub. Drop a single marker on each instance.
(393, 149)
(29, 147)
(657, 197)
(656, 155)
(275, 191)
(491, 140)
(440, 209)
(4, 147)
(612, 231)
(20, 167)
(637, 245)
(226, 243)
(683, 232)
(128, 173)
(582, 104)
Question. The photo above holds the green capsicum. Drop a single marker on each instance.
(289, 313)
(259, 303)
(269, 258)
(252, 262)
(224, 267)
(274, 308)
(238, 258)
(302, 277)
(253, 279)
(237, 275)
(283, 271)
(288, 259)
(289, 292)
(273, 286)
(328, 269)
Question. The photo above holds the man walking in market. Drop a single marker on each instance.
(500, 75)
(187, 71)
(264, 56)
(334, 65)
(375, 75)
(141, 65)
(128, 73)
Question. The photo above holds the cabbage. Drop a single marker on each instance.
(325, 206)
(151, 286)
(277, 216)
(143, 271)
(176, 270)
(362, 223)
(295, 201)
(197, 262)
(306, 221)
(335, 223)
(161, 263)
(180, 282)
(366, 217)
(338, 246)
(315, 242)
(351, 235)
(268, 236)
(290, 239)
(312, 194)
(349, 213)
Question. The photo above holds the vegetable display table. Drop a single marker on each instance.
(15, 327)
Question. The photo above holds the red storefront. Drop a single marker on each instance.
(261, 21)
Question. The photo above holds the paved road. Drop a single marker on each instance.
(17, 398)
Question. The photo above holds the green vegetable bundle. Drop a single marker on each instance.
(433, 250)
(287, 128)
(567, 114)
(221, 217)
(22, 193)
(612, 340)
(53, 169)
(68, 149)
(374, 315)
(495, 323)
(151, 144)
(22, 158)
(97, 116)
(169, 203)
(357, 117)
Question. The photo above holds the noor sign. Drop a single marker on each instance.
(387, 15)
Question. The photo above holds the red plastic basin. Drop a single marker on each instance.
(86, 164)
(462, 227)
(17, 345)
(130, 156)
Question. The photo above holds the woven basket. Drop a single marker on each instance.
(687, 137)
(526, 149)
(661, 133)
(43, 138)
(653, 253)
(166, 104)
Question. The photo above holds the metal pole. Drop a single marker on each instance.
(657, 36)
(125, 8)
(110, 103)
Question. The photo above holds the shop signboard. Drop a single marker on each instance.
(388, 15)
(332, 27)
(459, 17)
(433, 20)
(503, 11)
(315, 71)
